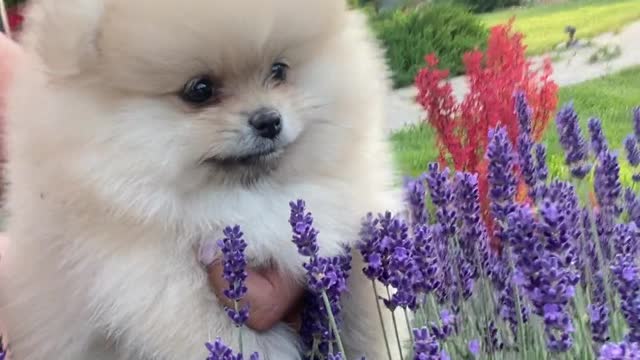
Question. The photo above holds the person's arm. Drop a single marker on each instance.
(272, 296)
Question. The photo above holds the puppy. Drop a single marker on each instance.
(139, 128)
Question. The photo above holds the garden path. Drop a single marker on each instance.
(570, 67)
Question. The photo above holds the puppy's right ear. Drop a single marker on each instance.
(62, 34)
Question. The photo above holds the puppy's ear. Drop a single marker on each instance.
(62, 34)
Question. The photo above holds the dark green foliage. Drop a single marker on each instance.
(11, 3)
(410, 34)
(482, 6)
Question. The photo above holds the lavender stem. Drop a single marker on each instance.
(395, 326)
(332, 321)
(384, 330)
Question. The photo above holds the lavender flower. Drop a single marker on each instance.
(326, 281)
(426, 259)
(627, 281)
(441, 190)
(448, 327)
(621, 351)
(368, 246)
(473, 233)
(572, 141)
(547, 279)
(426, 347)
(415, 195)
(525, 142)
(633, 152)
(599, 312)
(502, 180)
(400, 269)
(443, 198)
(541, 173)
(492, 340)
(219, 351)
(3, 352)
(304, 234)
(598, 140)
(607, 182)
(523, 111)
(632, 204)
(234, 264)
(315, 331)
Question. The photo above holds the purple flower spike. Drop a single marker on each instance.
(525, 142)
(607, 181)
(571, 139)
(541, 173)
(523, 111)
(598, 140)
(415, 194)
(234, 265)
(304, 234)
(492, 340)
(627, 281)
(368, 246)
(473, 233)
(219, 351)
(599, 317)
(632, 205)
(426, 347)
(325, 276)
(621, 351)
(448, 327)
(502, 180)
(633, 152)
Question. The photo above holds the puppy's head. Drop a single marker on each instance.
(204, 94)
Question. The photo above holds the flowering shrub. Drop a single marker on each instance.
(494, 77)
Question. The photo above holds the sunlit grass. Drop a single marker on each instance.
(544, 25)
(610, 98)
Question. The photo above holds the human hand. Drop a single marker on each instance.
(272, 296)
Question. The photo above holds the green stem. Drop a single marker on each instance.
(332, 321)
(384, 330)
(516, 292)
(395, 326)
(406, 317)
(236, 305)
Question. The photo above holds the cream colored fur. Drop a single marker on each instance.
(108, 197)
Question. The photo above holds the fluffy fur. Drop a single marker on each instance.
(109, 194)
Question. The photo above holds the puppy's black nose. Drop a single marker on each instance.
(266, 122)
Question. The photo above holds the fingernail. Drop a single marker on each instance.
(207, 252)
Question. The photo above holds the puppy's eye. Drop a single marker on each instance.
(199, 90)
(279, 72)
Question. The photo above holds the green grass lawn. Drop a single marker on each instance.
(544, 25)
(610, 98)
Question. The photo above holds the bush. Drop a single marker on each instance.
(482, 6)
(409, 35)
(494, 77)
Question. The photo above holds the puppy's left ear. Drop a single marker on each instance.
(62, 34)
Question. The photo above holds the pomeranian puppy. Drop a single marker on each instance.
(140, 128)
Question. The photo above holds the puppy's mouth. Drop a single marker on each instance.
(262, 156)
